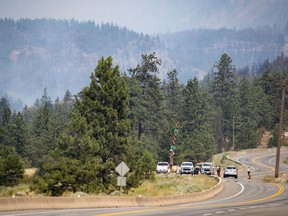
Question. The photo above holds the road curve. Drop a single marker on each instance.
(238, 197)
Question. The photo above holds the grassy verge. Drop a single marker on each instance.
(223, 161)
(162, 185)
(19, 190)
(173, 184)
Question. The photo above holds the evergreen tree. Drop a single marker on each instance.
(171, 114)
(19, 135)
(42, 139)
(142, 168)
(270, 82)
(11, 166)
(97, 139)
(224, 92)
(247, 132)
(196, 124)
(5, 118)
(146, 96)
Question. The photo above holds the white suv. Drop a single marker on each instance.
(163, 167)
(208, 168)
(186, 168)
(230, 171)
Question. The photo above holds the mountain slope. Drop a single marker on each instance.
(61, 54)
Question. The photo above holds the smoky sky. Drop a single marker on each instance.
(146, 16)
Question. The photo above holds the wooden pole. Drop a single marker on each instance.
(280, 130)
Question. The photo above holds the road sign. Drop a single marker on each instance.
(122, 169)
(121, 181)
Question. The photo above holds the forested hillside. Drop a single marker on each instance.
(197, 50)
(76, 142)
(61, 54)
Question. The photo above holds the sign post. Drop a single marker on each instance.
(122, 169)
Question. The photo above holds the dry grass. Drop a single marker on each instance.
(19, 190)
(30, 172)
(269, 179)
(223, 161)
(283, 178)
(173, 184)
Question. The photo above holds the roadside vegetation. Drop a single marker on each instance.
(161, 185)
(223, 161)
(174, 184)
(281, 179)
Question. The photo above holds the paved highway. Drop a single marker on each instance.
(239, 196)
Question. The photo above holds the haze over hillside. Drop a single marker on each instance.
(154, 17)
(60, 53)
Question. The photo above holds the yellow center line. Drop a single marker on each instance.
(263, 165)
(280, 191)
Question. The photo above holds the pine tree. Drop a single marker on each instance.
(97, 139)
(146, 96)
(42, 139)
(5, 118)
(171, 114)
(224, 92)
(247, 132)
(270, 82)
(19, 134)
(11, 166)
(196, 124)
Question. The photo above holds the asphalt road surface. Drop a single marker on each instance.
(239, 196)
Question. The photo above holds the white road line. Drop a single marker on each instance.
(276, 204)
(270, 161)
(241, 191)
(237, 159)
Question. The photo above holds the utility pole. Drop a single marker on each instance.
(280, 130)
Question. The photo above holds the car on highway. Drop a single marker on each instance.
(186, 168)
(208, 168)
(230, 171)
(163, 167)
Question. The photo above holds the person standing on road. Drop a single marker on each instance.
(249, 173)
(218, 171)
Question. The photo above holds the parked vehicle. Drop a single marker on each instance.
(208, 168)
(199, 165)
(230, 171)
(186, 168)
(197, 170)
(163, 167)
